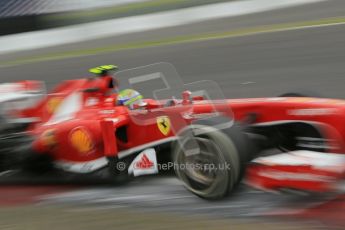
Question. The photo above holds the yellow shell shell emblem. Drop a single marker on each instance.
(53, 103)
(81, 140)
(48, 138)
(164, 124)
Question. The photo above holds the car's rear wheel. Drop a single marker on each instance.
(14, 150)
(208, 160)
(301, 94)
(15, 144)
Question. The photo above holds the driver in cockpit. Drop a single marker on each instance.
(131, 98)
(108, 85)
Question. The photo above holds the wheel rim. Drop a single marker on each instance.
(202, 180)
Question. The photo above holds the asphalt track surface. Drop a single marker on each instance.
(260, 65)
(273, 63)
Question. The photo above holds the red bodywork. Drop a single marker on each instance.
(104, 129)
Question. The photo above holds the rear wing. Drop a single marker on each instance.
(20, 95)
(29, 87)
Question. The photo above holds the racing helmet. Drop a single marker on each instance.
(130, 98)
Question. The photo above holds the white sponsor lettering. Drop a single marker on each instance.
(82, 167)
(312, 112)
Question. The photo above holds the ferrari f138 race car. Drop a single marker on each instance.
(88, 126)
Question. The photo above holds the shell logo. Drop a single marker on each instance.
(81, 140)
(48, 138)
(53, 103)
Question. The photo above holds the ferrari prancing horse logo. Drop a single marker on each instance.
(164, 124)
(53, 104)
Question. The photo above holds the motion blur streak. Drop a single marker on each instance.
(274, 63)
(139, 24)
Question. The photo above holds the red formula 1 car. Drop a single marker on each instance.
(85, 126)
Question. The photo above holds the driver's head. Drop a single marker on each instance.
(130, 98)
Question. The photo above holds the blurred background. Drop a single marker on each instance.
(29, 15)
(251, 48)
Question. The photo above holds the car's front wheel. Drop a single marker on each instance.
(208, 160)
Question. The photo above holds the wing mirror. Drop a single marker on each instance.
(187, 97)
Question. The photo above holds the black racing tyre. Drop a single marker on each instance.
(15, 144)
(14, 150)
(292, 95)
(234, 130)
(214, 168)
(37, 163)
(301, 94)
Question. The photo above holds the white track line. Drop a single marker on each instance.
(115, 27)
